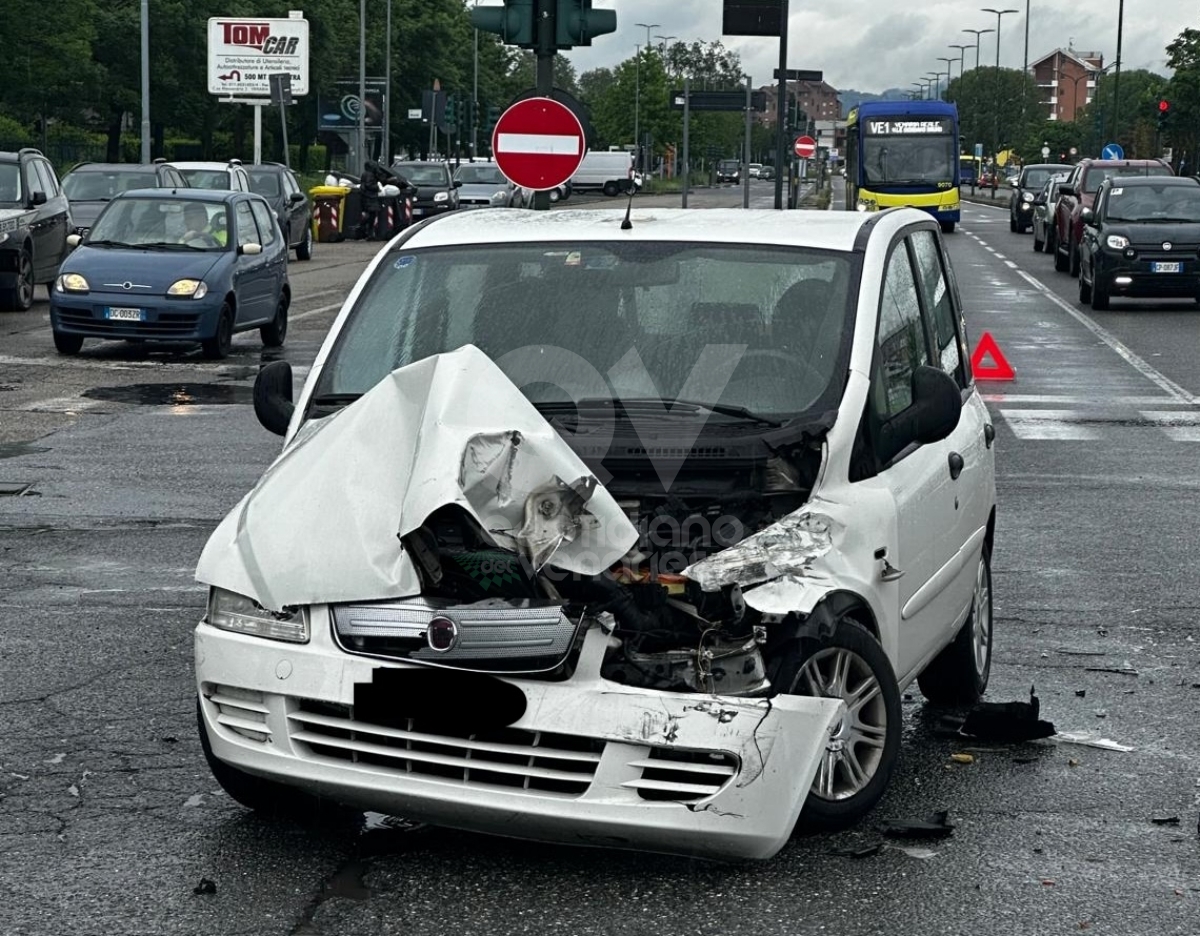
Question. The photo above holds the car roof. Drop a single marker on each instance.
(1149, 181)
(1047, 166)
(421, 162)
(117, 167)
(831, 230)
(204, 164)
(189, 194)
(1121, 162)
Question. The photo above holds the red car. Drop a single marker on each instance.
(1079, 192)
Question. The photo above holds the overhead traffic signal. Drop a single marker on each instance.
(1164, 113)
(577, 23)
(545, 25)
(513, 23)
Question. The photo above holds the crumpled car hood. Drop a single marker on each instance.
(324, 523)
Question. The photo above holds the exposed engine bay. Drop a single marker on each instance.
(667, 633)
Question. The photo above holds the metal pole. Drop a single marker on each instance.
(362, 86)
(1116, 120)
(287, 156)
(257, 134)
(746, 178)
(637, 108)
(475, 100)
(387, 91)
(547, 14)
(780, 105)
(687, 156)
(145, 81)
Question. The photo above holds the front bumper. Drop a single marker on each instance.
(429, 209)
(591, 762)
(1137, 278)
(162, 319)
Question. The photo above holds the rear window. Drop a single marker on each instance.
(1097, 174)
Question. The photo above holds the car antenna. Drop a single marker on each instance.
(627, 225)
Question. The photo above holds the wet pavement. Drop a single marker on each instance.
(115, 467)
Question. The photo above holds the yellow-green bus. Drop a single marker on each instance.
(904, 153)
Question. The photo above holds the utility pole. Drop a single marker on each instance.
(1117, 75)
(780, 107)
(362, 87)
(145, 14)
(387, 92)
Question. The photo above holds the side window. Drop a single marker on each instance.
(289, 183)
(247, 232)
(266, 224)
(37, 179)
(902, 343)
(48, 176)
(939, 303)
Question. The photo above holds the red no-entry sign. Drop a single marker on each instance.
(805, 148)
(538, 143)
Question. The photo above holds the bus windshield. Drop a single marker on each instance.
(908, 160)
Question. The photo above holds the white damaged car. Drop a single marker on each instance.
(606, 532)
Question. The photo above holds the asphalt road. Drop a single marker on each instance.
(128, 456)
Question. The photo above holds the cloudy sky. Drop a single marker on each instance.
(872, 45)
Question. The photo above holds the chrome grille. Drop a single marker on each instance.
(561, 765)
(240, 710)
(495, 635)
(676, 776)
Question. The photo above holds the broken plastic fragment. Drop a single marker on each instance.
(864, 852)
(1086, 740)
(936, 825)
(1166, 820)
(1009, 722)
(205, 887)
(924, 854)
(788, 547)
(962, 758)
(554, 515)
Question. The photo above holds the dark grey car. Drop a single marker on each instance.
(279, 186)
(437, 192)
(1025, 188)
(90, 186)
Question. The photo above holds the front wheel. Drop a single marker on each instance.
(305, 247)
(217, 347)
(1100, 295)
(1085, 289)
(1072, 257)
(959, 674)
(20, 297)
(275, 331)
(611, 189)
(861, 754)
(1038, 244)
(67, 344)
(947, 227)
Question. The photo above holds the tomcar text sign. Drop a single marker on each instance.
(244, 52)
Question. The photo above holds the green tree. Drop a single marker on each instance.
(1138, 114)
(1183, 91)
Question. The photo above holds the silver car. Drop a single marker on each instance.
(484, 186)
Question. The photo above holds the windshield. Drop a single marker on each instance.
(1154, 203)
(1097, 174)
(423, 175)
(10, 184)
(265, 183)
(217, 179)
(909, 159)
(161, 222)
(751, 327)
(480, 175)
(99, 185)
(1036, 178)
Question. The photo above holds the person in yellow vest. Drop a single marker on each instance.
(199, 227)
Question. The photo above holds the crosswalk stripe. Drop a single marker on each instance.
(1179, 427)
(1042, 425)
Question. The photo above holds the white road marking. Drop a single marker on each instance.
(317, 311)
(1010, 264)
(1160, 380)
(1179, 427)
(1041, 425)
(1049, 399)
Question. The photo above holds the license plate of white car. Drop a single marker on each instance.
(123, 314)
(1163, 267)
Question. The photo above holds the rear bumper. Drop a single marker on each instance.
(690, 774)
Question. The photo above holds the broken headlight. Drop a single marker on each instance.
(233, 612)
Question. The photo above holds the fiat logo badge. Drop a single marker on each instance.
(1166, 245)
(441, 635)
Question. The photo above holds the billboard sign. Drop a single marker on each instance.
(338, 110)
(244, 52)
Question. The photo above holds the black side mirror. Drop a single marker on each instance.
(458, 183)
(1088, 216)
(273, 397)
(296, 197)
(934, 413)
(37, 198)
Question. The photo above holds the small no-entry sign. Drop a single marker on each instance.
(805, 148)
(538, 143)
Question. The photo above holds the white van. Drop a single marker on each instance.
(604, 172)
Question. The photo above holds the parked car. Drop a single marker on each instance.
(175, 265)
(755, 170)
(437, 190)
(729, 170)
(279, 186)
(607, 172)
(766, 566)
(484, 186)
(220, 176)
(557, 194)
(35, 220)
(1043, 213)
(1024, 190)
(1141, 239)
(766, 172)
(1079, 192)
(89, 186)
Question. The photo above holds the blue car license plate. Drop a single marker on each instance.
(1162, 267)
(123, 314)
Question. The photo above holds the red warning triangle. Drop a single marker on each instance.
(999, 369)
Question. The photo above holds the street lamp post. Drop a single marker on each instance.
(387, 91)
(996, 132)
(1117, 74)
(942, 58)
(637, 140)
(977, 33)
(935, 89)
(664, 39)
(962, 54)
(474, 99)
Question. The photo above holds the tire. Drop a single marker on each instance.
(611, 189)
(1060, 260)
(275, 331)
(20, 297)
(305, 247)
(1085, 290)
(217, 347)
(1012, 223)
(555, 195)
(1051, 240)
(1038, 245)
(1072, 257)
(67, 344)
(947, 227)
(848, 784)
(1100, 294)
(959, 674)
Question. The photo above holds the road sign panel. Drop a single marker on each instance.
(538, 143)
(1112, 151)
(243, 53)
(805, 147)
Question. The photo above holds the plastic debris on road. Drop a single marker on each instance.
(1087, 740)
(935, 825)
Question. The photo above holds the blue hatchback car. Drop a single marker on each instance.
(175, 265)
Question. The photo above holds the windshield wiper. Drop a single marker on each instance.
(110, 243)
(167, 245)
(673, 407)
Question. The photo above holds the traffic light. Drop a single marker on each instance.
(452, 111)
(1164, 113)
(577, 23)
(493, 118)
(514, 22)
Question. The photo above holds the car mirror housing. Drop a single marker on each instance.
(1088, 216)
(273, 397)
(37, 198)
(458, 183)
(933, 414)
(296, 197)
(74, 240)
(250, 250)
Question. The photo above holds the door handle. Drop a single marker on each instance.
(956, 465)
